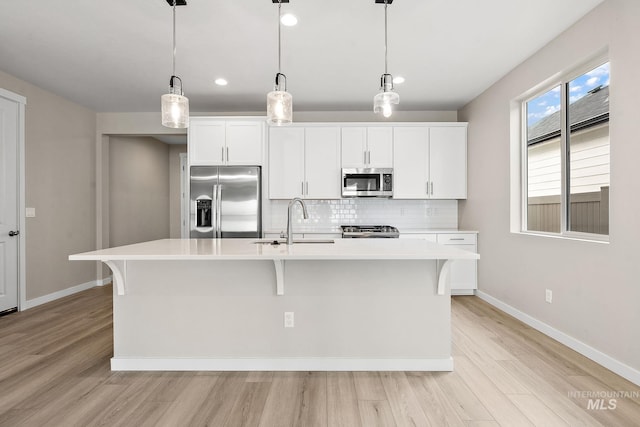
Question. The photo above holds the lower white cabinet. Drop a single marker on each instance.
(464, 273)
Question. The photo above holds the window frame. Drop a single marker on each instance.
(561, 79)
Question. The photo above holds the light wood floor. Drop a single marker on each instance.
(54, 370)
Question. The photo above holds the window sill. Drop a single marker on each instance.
(590, 238)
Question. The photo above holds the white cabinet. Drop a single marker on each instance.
(464, 272)
(304, 162)
(322, 163)
(286, 162)
(411, 163)
(430, 162)
(213, 141)
(244, 142)
(367, 147)
(206, 142)
(463, 275)
(448, 162)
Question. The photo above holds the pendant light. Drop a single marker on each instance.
(279, 101)
(383, 101)
(175, 106)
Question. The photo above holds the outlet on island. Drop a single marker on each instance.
(288, 319)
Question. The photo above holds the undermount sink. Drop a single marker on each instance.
(276, 242)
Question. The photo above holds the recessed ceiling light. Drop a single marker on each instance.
(221, 82)
(289, 20)
(398, 80)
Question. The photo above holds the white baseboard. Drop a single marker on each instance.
(63, 293)
(281, 364)
(455, 292)
(597, 356)
(104, 281)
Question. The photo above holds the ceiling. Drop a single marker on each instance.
(115, 56)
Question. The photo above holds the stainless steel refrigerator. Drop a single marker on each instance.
(225, 201)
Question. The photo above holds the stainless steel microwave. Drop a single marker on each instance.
(367, 182)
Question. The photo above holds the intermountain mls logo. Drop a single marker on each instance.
(606, 400)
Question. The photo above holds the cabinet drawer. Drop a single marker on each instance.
(457, 239)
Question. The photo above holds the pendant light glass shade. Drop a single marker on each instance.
(174, 105)
(279, 101)
(383, 101)
(279, 107)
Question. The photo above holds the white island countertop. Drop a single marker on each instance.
(251, 249)
(248, 249)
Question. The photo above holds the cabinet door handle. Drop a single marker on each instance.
(364, 157)
(306, 189)
(368, 157)
(432, 188)
(302, 188)
(227, 154)
(457, 238)
(222, 154)
(427, 190)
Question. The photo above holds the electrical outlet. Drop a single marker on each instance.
(288, 319)
(548, 296)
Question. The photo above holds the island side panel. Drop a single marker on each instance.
(229, 309)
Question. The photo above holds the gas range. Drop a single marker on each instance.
(369, 231)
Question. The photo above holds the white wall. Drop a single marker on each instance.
(60, 185)
(596, 286)
(138, 190)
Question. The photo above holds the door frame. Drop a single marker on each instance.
(22, 284)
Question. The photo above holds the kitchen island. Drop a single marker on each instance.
(223, 304)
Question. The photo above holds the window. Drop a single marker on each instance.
(566, 167)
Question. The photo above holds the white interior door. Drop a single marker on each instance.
(8, 204)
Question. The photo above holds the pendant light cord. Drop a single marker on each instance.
(174, 37)
(279, 36)
(385, 36)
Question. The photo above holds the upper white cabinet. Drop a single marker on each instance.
(367, 147)
(322, 163)
(448, 162)
(214, 141)
(304, 162)
(430, 162)
(206, 141)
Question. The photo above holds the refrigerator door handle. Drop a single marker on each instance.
(219, 209)
(214, 210)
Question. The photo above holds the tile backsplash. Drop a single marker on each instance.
(329, 215)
